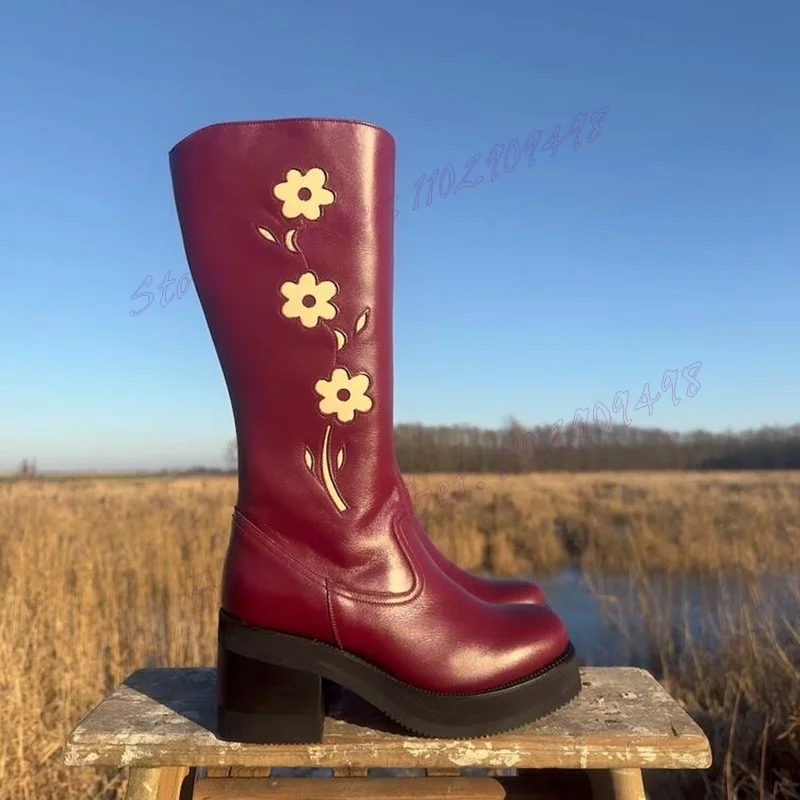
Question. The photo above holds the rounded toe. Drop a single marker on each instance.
(548, 637)
(528, 639)
(515, 590)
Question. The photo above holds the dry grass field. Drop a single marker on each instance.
(101, 576)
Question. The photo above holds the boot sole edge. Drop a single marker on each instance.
(304, 663)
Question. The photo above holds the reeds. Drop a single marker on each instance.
(101, 577)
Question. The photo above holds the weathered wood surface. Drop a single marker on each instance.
(623, 718)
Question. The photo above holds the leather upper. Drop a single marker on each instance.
(287, 227)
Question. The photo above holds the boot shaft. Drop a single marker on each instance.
(295, 280)
(326, 573)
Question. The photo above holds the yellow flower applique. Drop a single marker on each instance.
(304, 195)
(308, 300)
(343, 395)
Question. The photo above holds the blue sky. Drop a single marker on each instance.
(672, 238)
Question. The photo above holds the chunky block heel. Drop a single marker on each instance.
(271, 691)
(258, 702)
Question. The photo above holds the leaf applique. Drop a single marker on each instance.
(362, 321)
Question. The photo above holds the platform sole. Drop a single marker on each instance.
(270, 691)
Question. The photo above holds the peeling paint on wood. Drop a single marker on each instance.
(623, 718)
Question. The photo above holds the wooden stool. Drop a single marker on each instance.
(160, 723)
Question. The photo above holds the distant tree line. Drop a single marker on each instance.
(27, 468)
(516, 449)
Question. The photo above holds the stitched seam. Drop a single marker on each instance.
(373, 598)
(248, 528)
(332, 616)
(263, 123)
(411, 595)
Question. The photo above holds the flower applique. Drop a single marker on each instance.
(304, 195)
(343, 396)
(308, 299)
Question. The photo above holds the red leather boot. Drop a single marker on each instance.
(492, 590)
(326, 575)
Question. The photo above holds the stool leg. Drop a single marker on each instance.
(143, 783)
(177, 783)
(160, 783)
(617, 784)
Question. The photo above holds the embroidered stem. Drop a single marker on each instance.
(327, 475)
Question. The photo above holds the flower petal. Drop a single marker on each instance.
(310, 210)
(291, 209)
(307, 283)
(326, 310)
(316, 177)
(308, 316)
(286, 189)
(289, 309)
(329, 405)
(340, 378)
(359, 383)
(362, 402)
(345, 413)
(326, 290)
(325, 197)
(289, 290)
(323, 388)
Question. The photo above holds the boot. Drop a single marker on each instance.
(492, 590)
(326, 574)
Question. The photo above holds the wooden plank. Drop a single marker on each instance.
(218, 772)
(350, 772)
(622, 718)
(349, 789)
(248, 772)
(545, 786)
(237, 772)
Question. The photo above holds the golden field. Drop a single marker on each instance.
(99, 577)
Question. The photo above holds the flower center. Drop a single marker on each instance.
(309, 300)
(304, 193)
(343, 395)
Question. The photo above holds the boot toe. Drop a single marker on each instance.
(533, 638)
(515, 590)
